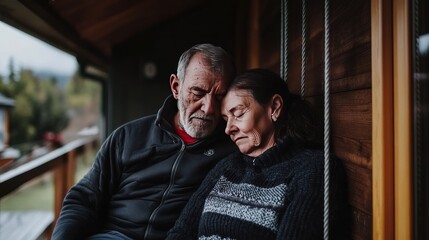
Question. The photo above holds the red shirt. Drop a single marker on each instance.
(184, 136)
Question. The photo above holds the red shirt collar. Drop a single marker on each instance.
(184, 136)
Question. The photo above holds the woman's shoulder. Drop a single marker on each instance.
(304, 162)
(312, 162)
(308, 156)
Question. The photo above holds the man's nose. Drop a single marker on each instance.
(209, 105)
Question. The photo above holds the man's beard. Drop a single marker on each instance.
(196, 130)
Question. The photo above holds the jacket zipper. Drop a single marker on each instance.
(172, 176)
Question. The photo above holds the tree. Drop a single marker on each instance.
(39, 107)
(5, 88)
(82, 92)
(12, 74)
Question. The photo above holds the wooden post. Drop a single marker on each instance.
(60, 185)
(71, 168)
(382, 115)
(64, 180)
(402, 118)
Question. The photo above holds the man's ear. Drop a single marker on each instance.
(276, 105)
(174, 85)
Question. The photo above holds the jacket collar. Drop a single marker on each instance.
(283, 150)
(165, 115)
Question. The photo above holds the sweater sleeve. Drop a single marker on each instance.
(83, 205)
(303, 217)
(186, 226)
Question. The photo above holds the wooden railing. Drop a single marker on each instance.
(62, 161)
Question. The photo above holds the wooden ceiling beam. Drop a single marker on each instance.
(127, 23)
(32, 17)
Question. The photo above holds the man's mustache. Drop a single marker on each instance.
(202, 116)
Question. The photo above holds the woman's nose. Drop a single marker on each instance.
(230, 127)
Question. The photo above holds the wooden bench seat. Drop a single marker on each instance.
(24, 225)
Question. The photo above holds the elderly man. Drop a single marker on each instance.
(147, 169)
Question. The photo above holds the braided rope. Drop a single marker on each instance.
(284, 40)
(326, 127)
(303, 47)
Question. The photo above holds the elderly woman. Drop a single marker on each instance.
(273, 188)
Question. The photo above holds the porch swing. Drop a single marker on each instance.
(284, 75)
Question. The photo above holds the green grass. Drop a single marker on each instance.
(38, 194)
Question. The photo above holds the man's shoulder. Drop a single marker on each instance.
(139, 122)
(133, 127)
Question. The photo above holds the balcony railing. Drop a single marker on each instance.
(62, 161)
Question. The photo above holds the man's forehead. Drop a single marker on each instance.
(217, 86)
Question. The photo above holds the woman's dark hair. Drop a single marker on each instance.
(296, 121)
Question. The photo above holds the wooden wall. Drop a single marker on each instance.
(350, 81)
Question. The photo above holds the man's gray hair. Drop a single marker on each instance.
(216, 58)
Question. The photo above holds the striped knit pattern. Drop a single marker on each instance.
(246, 202)
(214, 237)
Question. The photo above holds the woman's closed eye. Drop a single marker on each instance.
(233, 116)
(239, 115)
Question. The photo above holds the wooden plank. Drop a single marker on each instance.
(115, 21)
(24, 225)
(348, 109)
(14, 178)
(382, 125)
(60, 187)
(346, 31)
(359, 186)
(351, 109)
(33, 18)
(253, 36)
(269, 29)
(134, 20)
(64, 179)
(361, 228)
(355, 151)
(348, 70)
(351, 26)
(403, 161)
(350, 47)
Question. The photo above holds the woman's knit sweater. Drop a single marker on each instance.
(277, 195)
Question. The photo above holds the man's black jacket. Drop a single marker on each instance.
(142, 178)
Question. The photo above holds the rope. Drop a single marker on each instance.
(284, 41)
(326, 127)
(303, 47)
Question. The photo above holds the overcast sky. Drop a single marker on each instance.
(30, 52)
